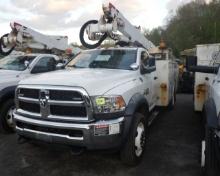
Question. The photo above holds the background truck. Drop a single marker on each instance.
(207, 101)
(47, 53)
(14, 68)
(106, 98)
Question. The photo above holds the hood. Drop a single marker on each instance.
(9, 77)
(94, 81)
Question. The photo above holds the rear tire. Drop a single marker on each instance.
(134, 148)
(6, 116)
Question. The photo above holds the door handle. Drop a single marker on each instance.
(155, 78)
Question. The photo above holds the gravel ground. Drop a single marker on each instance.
(173, 149)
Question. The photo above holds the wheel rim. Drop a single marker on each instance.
(203, 154)
(140, 139)
(10, 117)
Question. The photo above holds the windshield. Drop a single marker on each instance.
(109, 59)
(16, 63)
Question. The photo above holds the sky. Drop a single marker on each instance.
(65, 17)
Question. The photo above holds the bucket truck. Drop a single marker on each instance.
(16, 65)
(205, 64)
(106, 98)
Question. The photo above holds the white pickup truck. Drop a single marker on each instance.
(105, 99)
(14, 68)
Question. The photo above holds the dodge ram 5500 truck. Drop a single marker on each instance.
(14, 68)
(105, 99)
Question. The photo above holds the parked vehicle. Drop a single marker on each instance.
(17, 65)
(105, 99)
(207, 101)
(14, 68)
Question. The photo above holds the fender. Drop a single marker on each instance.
(135, 102)
(6, 93)
(210, 113)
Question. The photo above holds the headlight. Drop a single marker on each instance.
(108, 104)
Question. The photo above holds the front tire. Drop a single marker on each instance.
(133, 150)
(6, 116)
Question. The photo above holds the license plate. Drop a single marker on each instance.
(114, 129)
(103, 130)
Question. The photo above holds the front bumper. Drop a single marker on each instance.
(97, 135)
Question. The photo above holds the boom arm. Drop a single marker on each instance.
(22, 37)
(109, 25)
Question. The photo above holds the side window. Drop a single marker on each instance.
(45, 64)
(148, 64)
(152, 62)
(147, 61)
(144, 59)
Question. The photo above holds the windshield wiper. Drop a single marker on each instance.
(74, 66)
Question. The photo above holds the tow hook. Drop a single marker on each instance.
(76, 151)
(22, 140)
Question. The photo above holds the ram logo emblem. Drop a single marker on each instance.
(43, 98)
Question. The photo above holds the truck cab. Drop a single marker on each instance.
(104, 99)
(14, 68)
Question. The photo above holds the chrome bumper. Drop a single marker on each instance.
(88, 139)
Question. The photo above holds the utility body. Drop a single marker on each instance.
(207, 100)
(105, 98)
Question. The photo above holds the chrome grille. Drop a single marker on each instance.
(54, 102)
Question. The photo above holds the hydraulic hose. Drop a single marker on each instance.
(81, 36)
(2, 47)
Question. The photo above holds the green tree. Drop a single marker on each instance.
(194, 23)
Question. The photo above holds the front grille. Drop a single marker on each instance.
(65, 95)
(30, 93)
(67, 111)
(55, 103)
(31, 107)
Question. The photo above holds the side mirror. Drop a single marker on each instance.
(26, 63)
(204, 69)
(191, 61)
(60, 66)
(134, 66)
(191, 65)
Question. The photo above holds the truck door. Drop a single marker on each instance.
(149, 78)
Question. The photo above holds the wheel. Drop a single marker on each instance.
(133, 150)
(210, 160)
(81, 36)
(6, 117)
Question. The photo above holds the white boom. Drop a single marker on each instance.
(22, 38)
(109, 25)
